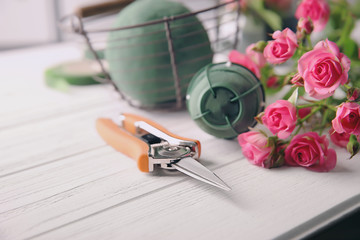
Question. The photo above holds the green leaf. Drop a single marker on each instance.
(346, 30)
(336, 17)
(294, 96)
(279, 161)
(272, 141)
(353, 146)
(301, 92)
(271, 18)
(355, 9)
(257, 4)
(350, 48)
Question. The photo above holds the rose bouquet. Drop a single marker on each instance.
(321, 89)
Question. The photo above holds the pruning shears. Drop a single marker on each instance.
(150, 144)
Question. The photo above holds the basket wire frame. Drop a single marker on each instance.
(218, 42)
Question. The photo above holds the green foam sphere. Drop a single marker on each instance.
(139, 59)
(224, 99)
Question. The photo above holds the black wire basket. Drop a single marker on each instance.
(151, 63)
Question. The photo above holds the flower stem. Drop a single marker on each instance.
(332, 108)
(307, 105)
(309, 41)
(298, 130)
(314, 110)
(324, 121)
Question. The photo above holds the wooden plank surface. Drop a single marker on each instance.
(58, 180)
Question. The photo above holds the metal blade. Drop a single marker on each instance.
(194, 169)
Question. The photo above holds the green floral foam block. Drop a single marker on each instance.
(139, 59)
(223, 99)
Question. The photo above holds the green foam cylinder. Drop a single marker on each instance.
(78, 73)
(224, 98)
(139, 59)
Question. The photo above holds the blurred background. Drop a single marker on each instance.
(26, 23)
(29, 23)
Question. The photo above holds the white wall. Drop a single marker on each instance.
(33, 22)
(26, 22)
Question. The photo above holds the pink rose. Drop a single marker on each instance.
(339, 139)
(317, 10)
(257, 57)
(311, 151)
(280, 118)
(254, 147)
(323, 69)
(347, 118)
(244, 60)
(282, 48)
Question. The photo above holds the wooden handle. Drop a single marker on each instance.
(124, 142)
(129, 125)
(99, 8)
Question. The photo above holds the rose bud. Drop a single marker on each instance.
(272, 82)
(277, 155)
(255, 147)
(297, 80)
(347, 118)
(280, 118)
(256, 56)
(317, 10)
(353, 146)
(305, 25)
(339, 139)
(323, 69)
(282, 48)
(246, 61)
(353, 94)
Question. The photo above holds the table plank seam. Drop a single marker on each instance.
(78, 109)
(52, 161)
(121, 204)
(59, 193)
(313, 225)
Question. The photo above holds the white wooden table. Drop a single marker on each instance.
(59, 180)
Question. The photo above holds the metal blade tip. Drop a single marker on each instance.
(194, 169)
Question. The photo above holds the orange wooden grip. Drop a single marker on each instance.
(124, 142)
(129, 125)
